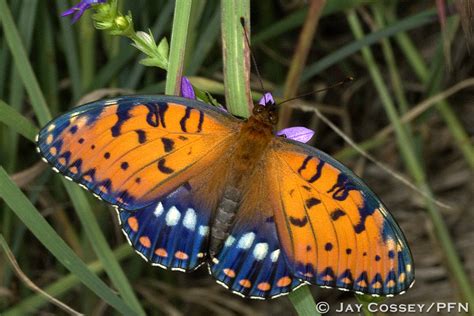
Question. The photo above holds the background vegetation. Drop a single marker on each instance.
(407, 58)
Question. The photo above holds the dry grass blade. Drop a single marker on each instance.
(24, 177)
(465, 8)
(379, 164)
(29, 283)
(102, 93)
(421, 107)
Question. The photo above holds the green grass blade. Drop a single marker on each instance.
(296, 19)
(84, 211)
(421, 69)
(349, 49)
(31, 217)
(303, 302)
(100, 245)
(414, 166)
(68, 39)
(177, 46)
(205, 42)
(17, 122)
(236, 56)
(63, 285)
(162, 22)
(22, 63)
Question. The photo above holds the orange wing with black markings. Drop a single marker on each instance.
(332, 228)
(133, 150)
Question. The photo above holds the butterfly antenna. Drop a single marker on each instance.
(254, 61)
(337, 84)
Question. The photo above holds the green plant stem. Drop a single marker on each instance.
(236, 56)
(87, 49)
(413, 165)
(179, 34)
(68, 39)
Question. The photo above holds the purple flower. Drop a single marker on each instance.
(187, 90)
(78, 9)
(298, 133)
(267, 98)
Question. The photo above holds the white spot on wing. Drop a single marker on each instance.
(246, 241)
(36, 138)
(238, 293)
(229, 241)
(189, 220)
(173, 216)
(203, 230)
(178, 269)
(159, 209)
(260, 251)
(274, 255)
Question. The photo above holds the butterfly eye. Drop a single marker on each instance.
(258, 109)
(273, 118)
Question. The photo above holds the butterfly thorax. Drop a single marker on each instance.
(252, 141)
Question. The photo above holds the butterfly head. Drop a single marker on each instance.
(266, 111)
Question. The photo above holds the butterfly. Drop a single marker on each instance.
(193, 184)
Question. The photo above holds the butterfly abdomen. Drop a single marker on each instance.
(224, 219)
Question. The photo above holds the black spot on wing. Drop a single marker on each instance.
(312, 202)
(186, 116)
(342, 187)
(336, 214)
(122, 116)
(319, 170)
(163, 168)
(300, 222)
(168, 144)
(156, 114)
(141, 136)
(201, 120)
(364, 212)
(304, 164)
(73, 129)
(93, 114)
